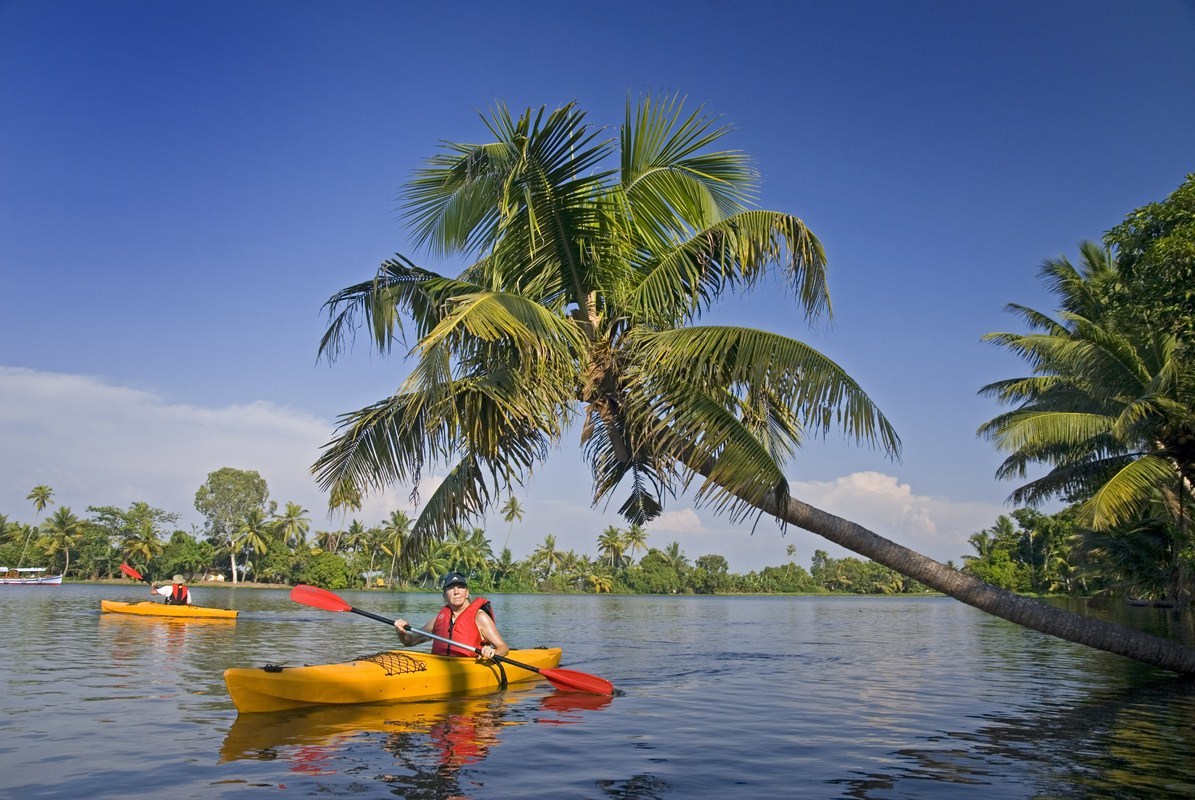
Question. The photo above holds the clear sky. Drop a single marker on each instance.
(183, 184)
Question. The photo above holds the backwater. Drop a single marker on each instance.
(810, 697)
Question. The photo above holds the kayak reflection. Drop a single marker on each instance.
(455, 731)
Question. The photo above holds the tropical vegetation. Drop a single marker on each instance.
(593, 260)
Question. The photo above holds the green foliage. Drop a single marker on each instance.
(328, 571)
(227, 498)
(654, 574)
(1155, 248)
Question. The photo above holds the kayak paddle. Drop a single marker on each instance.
(567, 679)
(134, 574)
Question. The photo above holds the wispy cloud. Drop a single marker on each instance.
(95, 443)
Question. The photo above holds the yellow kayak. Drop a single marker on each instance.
(386, 676)
(148, 608)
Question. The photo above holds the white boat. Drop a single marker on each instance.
(27, 576)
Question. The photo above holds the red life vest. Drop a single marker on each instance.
(178, 595)
(463, 629)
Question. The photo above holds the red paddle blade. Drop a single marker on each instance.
(571, 680)
(132, 573)
(318, 598)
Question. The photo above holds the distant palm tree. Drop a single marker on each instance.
(62, 530)
(634, 538)
(394, 535)
(293, 526)
(466, 550)
(511, 512)
(610, 546)
(675, 558)
(547, 556)
(141, 540)
(345, 497)
(41, 496)
(253, 537)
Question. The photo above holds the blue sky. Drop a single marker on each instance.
(185, 183)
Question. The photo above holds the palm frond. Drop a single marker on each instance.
(1128, 494)
(680, 283)
(746, 362)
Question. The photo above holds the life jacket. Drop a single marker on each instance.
(463, 629)
(178, 595)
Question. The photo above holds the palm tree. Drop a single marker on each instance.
(253, 537)
(610, 546)
(510, 512)
(394, 535)
(41, 496)
(62, 530)
(293, 526)
(466, 551)
(344, 497)
(1109, 409)
(547, 556)
(141, 540)
(581, 304)
(634, 538)
(675, 558)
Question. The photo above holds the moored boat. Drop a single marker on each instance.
(385, 676)
(148, 608)
(27, 576)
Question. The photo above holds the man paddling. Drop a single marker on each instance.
(175, 592)
(470, 623)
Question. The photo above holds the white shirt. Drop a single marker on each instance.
(168, 590)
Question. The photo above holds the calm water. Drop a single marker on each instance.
(725, 697)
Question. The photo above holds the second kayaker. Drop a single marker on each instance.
(469, 622)
(175, 592)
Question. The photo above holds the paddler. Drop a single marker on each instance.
(470, 622)
(175, 592)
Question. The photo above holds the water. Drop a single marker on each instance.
(725, 697)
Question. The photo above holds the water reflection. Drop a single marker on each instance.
(430, 742)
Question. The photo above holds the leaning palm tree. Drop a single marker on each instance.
(1109, 409)
(593, 262)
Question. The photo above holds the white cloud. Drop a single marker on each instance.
(98, 444)
(95, 443)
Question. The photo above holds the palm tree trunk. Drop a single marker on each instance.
(1038, 616)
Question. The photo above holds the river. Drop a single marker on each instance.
(725, 697)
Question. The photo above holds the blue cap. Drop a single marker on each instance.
(453, 579)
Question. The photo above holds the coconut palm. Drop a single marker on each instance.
(394, 535)
(580, 306)
(675, 558)
(1109, 409)
(140, 539)
(466, 550)
(511, 512)
(293, 526)
(254, 536)
(610, 546)
(41, 496)
(546, 556)
(634, 538)
(62, 530)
